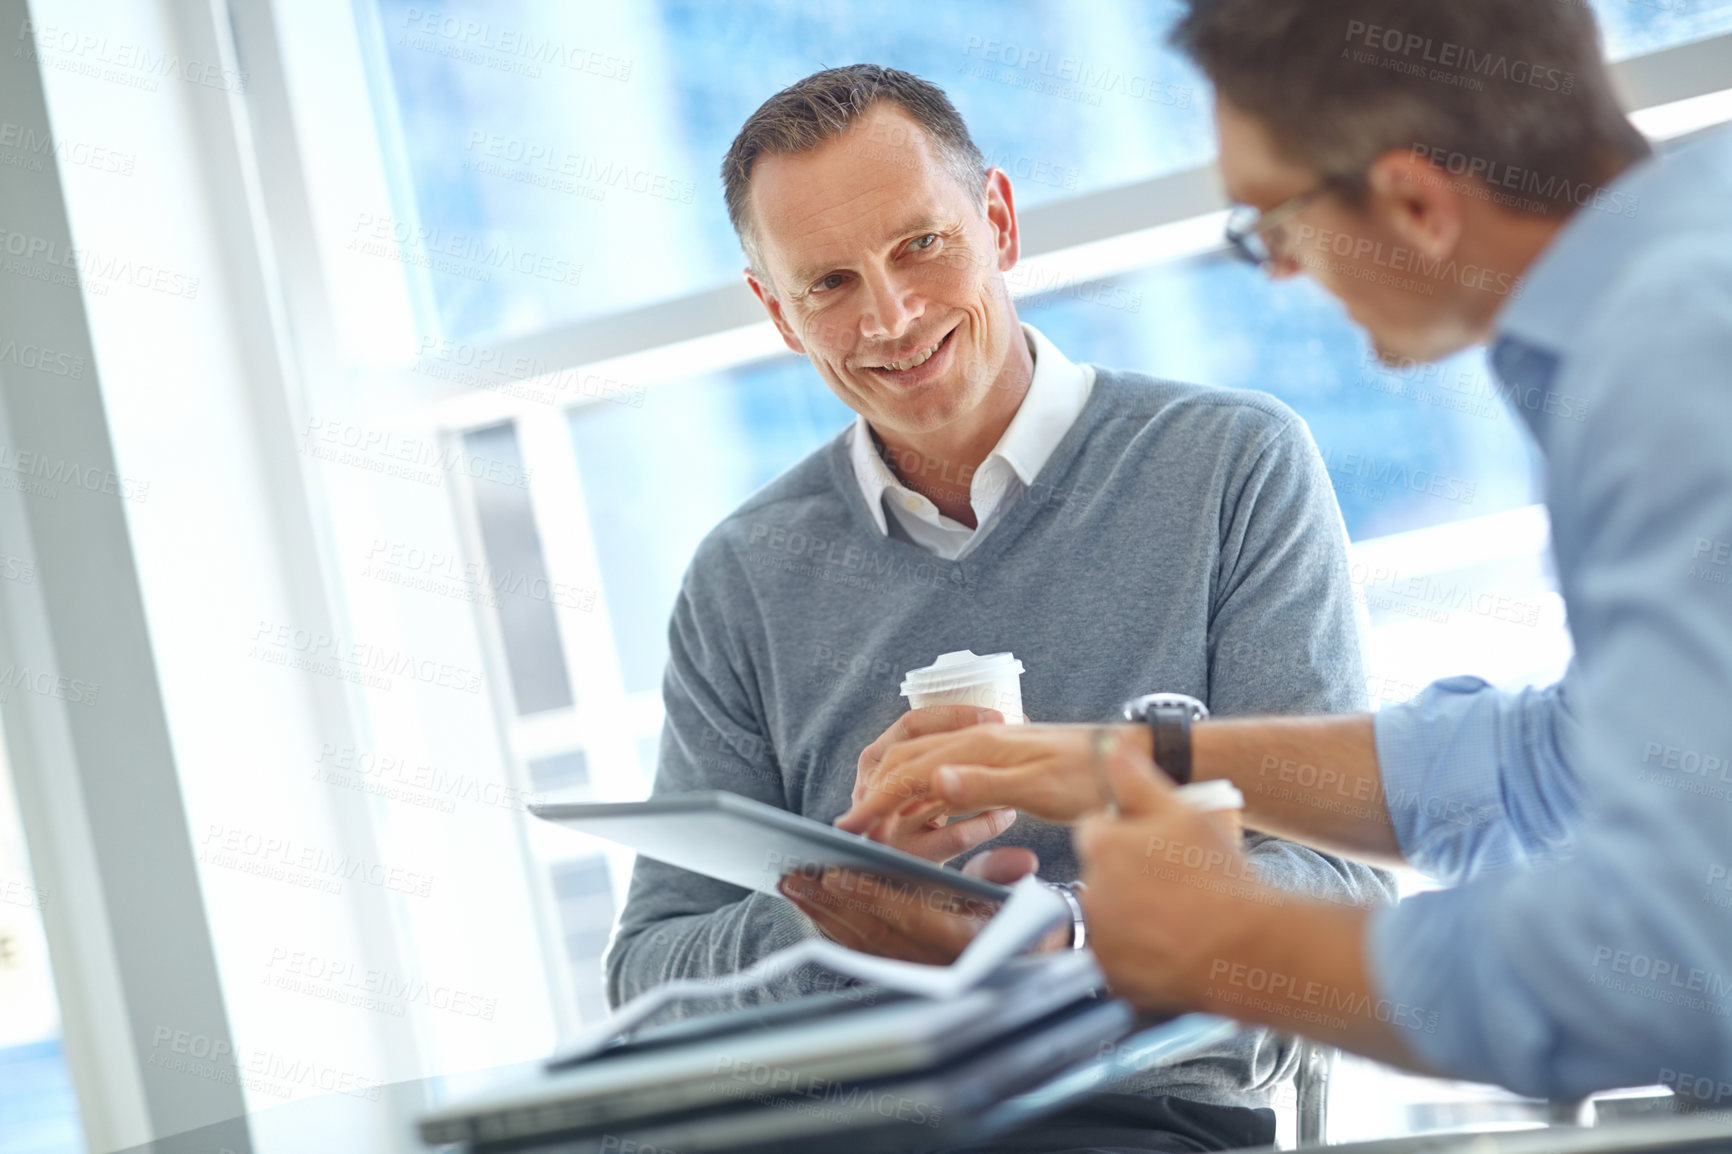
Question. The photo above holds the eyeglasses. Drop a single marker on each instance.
(1257, 236)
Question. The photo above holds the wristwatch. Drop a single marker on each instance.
(1169, 717)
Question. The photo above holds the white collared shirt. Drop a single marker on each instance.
(1055, 398)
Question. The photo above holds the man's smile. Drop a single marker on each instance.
(919, 366)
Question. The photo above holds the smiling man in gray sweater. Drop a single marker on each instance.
(1121, 535)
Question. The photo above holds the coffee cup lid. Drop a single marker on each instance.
(959, 670)
(1211, 796)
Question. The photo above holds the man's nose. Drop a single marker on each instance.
(891, 306)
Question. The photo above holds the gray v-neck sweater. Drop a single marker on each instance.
(1180, 539)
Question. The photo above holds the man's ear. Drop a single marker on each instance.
(1001, 215)
(1423, 205)
(767, 298)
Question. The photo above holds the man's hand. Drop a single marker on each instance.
(895, 920)
(881, 917)
(1177, 924)
(1047, 771)
(931, 835)
(1166, 890)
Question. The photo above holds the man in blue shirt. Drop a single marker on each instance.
(1459, 173)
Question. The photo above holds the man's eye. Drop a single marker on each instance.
(924, 242)
(826, 284)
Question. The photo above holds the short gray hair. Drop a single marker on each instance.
(818, 109)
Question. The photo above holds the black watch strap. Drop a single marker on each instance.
(1170, 729)
(1169, 717)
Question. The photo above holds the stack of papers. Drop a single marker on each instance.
(1032, 911)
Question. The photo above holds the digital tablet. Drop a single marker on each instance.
(750, 844)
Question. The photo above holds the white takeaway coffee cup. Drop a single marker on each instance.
(1221, 800)
(1211, 796)
(966, 678)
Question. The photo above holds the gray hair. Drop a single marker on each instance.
(818, 109)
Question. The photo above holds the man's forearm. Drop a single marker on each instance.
(1300, 968)
(1313, 780)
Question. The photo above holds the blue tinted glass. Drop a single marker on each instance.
(571, 150)
(38, 1109)
(583, 141)
(657, 478)
(1405, 449)
(1632, 27)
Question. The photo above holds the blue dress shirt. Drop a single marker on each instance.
(1587, 943)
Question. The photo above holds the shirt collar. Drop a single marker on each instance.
(1055, 398)
(870, 472)
(1563, 288)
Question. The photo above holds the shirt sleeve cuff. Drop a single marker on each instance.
(1455, 1009)
(1414, 981)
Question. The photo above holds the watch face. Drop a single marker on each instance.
(1140, 709)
